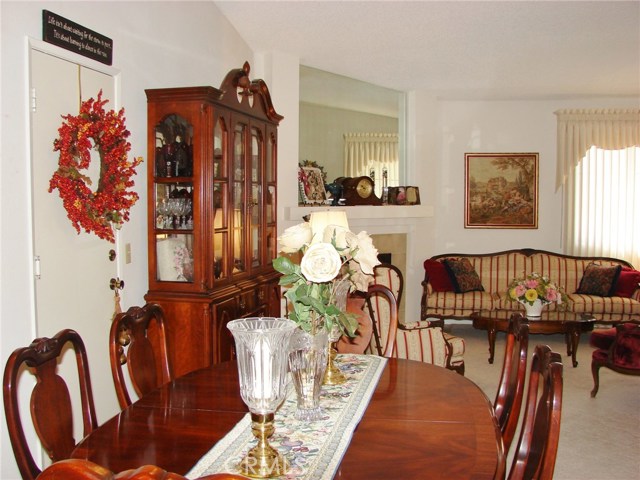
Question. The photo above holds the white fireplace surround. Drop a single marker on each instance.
(378, 220)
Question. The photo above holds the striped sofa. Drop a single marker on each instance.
(497, 270)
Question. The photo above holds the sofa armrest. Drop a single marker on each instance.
(636, 294)
(420, 324)
(426, 291)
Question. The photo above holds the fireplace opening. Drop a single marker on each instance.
(384, 257)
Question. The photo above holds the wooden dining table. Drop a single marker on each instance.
(423, 421)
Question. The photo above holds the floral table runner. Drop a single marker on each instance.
(314, 449)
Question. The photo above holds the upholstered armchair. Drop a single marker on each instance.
(621, 355)
(421, 340)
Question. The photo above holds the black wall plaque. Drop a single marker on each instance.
(76, 38)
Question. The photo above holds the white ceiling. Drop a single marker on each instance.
(457, 49)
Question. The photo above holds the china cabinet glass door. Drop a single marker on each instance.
(238, 194)
(219, 200)
(255, 201)
(173, 199)
(270, 197)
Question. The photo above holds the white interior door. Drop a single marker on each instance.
(72, 289)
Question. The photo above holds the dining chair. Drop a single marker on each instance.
(535, 455)
(78, 469)
(145, 355)
(382, 307)
(51, 409)
(391, 277)
(622, 355)
(508, 401)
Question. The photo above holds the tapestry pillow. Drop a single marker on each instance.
(627, 282)
(438, 276)
(599, 280)
(463, 276)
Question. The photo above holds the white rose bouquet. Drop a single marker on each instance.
(333, 260)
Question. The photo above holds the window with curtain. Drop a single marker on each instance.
(374, 155)
(599, 167)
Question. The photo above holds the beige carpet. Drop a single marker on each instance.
(599, 437)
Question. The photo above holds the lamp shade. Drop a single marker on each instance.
(320, 220)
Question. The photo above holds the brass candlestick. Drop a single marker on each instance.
(263, 461)
(333, 375)
(261, 350)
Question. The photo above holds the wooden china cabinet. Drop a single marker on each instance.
(212, 212)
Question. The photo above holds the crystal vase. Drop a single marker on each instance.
(261, 350)
(307, 364)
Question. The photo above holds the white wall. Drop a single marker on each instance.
(498, 126)
(165, 44)
(322, 131)
(156, 44)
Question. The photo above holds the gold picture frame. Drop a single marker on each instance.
(501, 190)
(311, 189)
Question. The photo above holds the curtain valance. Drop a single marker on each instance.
(579, 130)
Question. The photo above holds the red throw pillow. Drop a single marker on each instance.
(627, 282)
(438, 276)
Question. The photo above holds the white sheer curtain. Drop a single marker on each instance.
(372, 153)
(599, 166)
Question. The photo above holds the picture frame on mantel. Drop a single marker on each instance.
(501, 190)
(311, 186)
(403, 196)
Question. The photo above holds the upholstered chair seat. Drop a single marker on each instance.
(622, 355)
(602, 338)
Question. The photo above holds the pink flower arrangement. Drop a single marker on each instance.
(535, 287)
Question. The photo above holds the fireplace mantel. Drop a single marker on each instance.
(359, 213)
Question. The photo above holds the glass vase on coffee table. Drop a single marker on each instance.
(261, 350)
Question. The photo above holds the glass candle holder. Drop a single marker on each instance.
(261, 351)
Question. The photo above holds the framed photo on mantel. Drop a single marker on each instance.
(501, 190)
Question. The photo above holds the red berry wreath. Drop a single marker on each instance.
(108, 206)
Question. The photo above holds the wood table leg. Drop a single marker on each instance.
(491, 334)
(573, 339)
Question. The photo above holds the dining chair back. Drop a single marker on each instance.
(508, 401)
(391, 277)
(79, 469)
(535, 455)
(76, 469)
(379, 309)
(138, 340)
(51, 407)
(382, 307)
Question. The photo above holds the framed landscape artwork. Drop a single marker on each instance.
(501, 190)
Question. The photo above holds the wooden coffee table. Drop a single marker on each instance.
(569, 323)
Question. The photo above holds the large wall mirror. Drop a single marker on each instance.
(347, 120)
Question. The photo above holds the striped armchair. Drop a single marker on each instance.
(419, 340)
